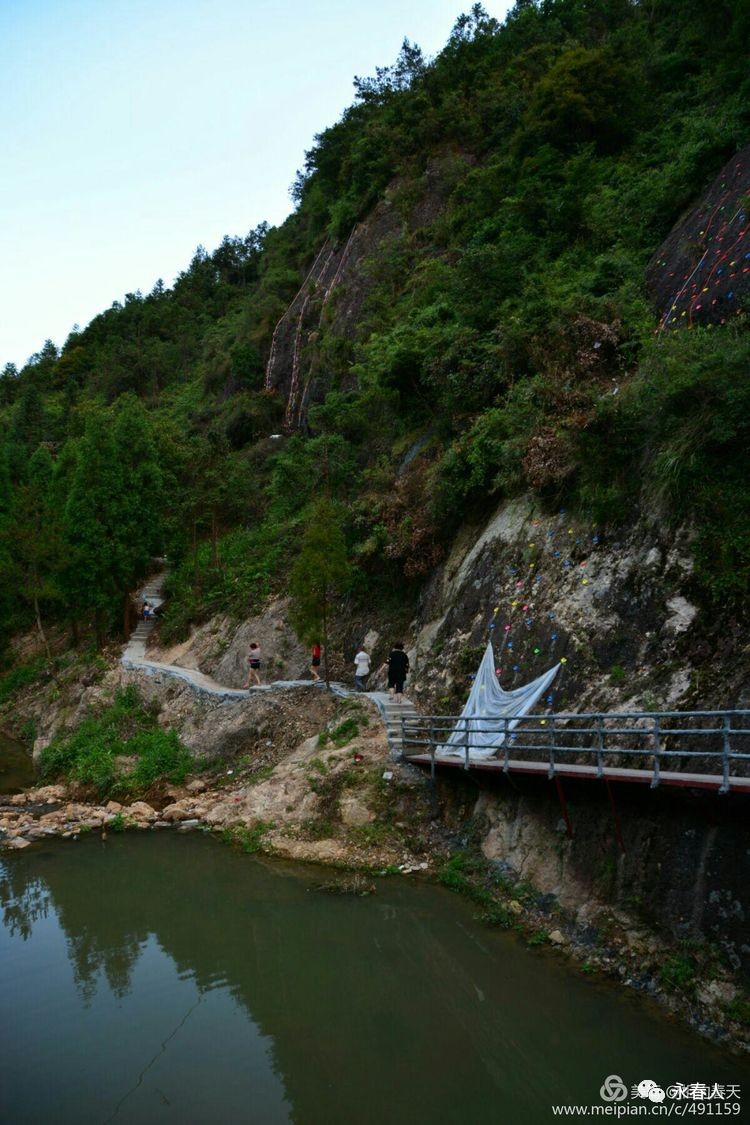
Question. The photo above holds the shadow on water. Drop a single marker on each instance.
(16, 766)
(176, 980)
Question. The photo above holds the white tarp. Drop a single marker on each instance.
(488, 705)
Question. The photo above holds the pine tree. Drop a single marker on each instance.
(322, 571)
(92, 523)
(37, 546)
(140, 502)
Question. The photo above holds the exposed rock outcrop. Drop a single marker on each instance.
(337, 285)
(616, 606)
(701, 273)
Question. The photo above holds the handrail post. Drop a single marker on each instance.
(600, 746)
(552, 749)
(506, 744)
(403, 737)
(726, 752)
(466, 744)
(657, 752)
(432, 748)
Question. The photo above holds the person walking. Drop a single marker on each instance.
(398, 668)
(361, 669)
(254, 666)
(315, 661)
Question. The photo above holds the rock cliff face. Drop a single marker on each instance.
(701, 273)
(616, 606)
(681, 867)
(618, 609)
(336, 288)
(220, 647)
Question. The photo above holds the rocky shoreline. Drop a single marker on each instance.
(629, 956)
(48, 812)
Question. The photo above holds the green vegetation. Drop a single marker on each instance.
(473, 877)
(321, 571)
(248, 840)
(121, 751)
(739, 1010)
(18, 677)
(526, 174)
(677, 972)
(342, 734)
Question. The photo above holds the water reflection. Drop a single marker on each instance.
(25, 899)
(208, 986)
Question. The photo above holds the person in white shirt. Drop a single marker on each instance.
(361, 670)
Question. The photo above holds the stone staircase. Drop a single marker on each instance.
(392, 714)
(151, 593)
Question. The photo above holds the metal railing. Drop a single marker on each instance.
(703, 739)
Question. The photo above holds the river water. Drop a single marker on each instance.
(175, 980)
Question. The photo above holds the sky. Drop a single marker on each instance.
(135, 130)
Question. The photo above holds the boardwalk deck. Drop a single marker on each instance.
(589, 773)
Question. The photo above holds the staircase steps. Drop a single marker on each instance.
(393, 713)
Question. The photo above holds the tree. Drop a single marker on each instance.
(37, 546)
(139, 504)
(322, 571)
(91, 522)
(27, 429)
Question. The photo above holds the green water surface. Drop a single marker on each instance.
(170, 979)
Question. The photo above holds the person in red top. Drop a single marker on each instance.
(315, 661)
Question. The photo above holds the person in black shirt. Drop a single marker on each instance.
(398, 667)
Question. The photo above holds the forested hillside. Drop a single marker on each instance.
(468, 256)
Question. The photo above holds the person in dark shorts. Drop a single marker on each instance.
(398, 667)
(315, 661)
(254, 669)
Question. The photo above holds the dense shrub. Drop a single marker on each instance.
(124, 730)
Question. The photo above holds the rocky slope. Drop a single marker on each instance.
(617, 606)
(701, 273)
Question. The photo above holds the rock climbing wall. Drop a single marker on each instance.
(336, 288)
(701, 273)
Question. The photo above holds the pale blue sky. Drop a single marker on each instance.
(133, 130)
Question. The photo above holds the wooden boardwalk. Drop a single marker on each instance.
(564, 770)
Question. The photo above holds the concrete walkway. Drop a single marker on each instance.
(134, 659)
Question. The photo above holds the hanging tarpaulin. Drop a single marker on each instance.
(481, 719)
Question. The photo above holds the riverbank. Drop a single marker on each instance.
(390, 825)
(302, 774)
